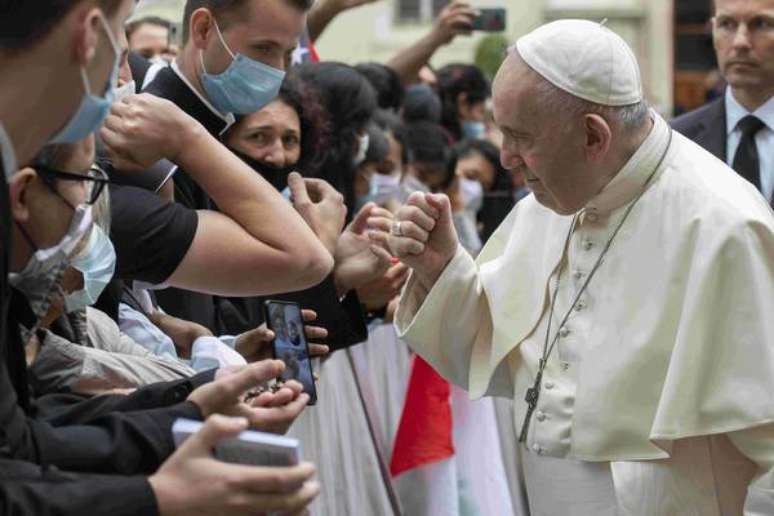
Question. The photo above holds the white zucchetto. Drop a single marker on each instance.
(585, 59)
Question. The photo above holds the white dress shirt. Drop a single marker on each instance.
(764, 139)
(659, 397)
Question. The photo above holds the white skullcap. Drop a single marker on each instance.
(584, 59)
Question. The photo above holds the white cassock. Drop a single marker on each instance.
(659, 396)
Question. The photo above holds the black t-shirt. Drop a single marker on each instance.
(151, 236)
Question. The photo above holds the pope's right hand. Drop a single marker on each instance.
(423, 235)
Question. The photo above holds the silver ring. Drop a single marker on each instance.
(396, 229)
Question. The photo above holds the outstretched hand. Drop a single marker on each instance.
(359, 259)
(268, 412)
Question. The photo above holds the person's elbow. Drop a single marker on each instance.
(315, 265)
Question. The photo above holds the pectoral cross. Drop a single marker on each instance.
(533, 393)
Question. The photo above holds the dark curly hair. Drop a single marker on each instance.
(350, 101)
(454, 79)
(386, 82)
(315, 126)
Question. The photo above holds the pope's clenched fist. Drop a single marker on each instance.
(422, 235)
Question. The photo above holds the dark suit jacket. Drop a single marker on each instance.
(706, 126)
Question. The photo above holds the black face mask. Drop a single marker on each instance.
(276, 176)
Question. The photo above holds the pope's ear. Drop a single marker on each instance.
(18, 191)
(599, 137)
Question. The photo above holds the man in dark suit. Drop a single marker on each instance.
(738, 127)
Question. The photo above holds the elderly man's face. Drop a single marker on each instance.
(547, 151)
(743, 33)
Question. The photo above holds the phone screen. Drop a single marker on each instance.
(290, 345)
(490, 20)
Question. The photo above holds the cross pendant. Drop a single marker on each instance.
(533, 393)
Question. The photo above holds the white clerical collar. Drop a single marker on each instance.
(8, 153)
(228, 117)
(632, 177)
(735, 112)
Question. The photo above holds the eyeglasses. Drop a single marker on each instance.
(96, 176)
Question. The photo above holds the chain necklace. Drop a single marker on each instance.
(533, 393)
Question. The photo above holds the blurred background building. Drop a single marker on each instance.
(670, 37)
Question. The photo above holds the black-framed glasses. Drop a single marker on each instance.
(96, 176)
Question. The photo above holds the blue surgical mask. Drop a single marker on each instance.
(473, 129)
(97, 263)
(93, 109)
(244, 87)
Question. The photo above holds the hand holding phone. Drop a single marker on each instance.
(490, 20)
(290, 345)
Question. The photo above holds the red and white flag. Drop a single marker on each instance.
(446, 460)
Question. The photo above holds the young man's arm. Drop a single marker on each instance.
(257, 243)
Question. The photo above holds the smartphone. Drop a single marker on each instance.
(490, 20)
(285, 320)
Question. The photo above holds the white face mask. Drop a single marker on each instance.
(472, 194)
(362, 149)
(124, 91)
(34, 281)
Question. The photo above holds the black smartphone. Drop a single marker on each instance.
(285, 320)
(490, 19)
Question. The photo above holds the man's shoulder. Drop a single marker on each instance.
(692, 122)
(708, 190)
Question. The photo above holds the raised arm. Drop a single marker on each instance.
(324, 11)
(453, 20)
(257, 243)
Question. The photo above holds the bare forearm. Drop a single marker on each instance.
(409, 61)
(320, 16)
(245, 197)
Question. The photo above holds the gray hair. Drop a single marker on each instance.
(567, 106)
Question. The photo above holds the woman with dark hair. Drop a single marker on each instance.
(463, 89)
(432, 161)
(485, 185)
(350, 101)
(286, 135)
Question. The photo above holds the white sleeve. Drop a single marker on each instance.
(444, 324)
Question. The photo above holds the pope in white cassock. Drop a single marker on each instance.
(627, 306)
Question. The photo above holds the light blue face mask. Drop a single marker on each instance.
(93, 109)
(473, 129)
(97, 263)
(244, 87)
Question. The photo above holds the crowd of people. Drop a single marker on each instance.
(158, 195)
